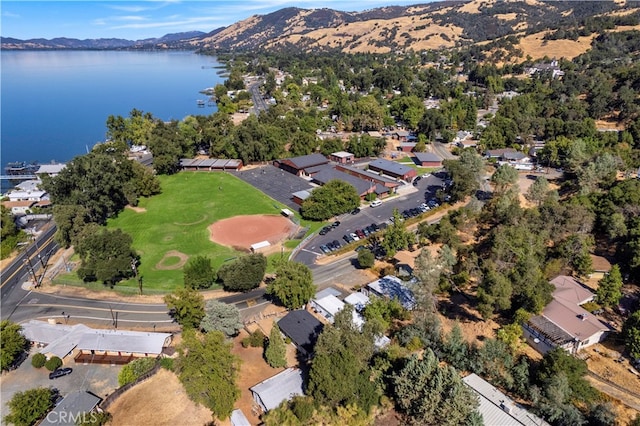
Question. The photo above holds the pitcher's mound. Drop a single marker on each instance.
(242, 231)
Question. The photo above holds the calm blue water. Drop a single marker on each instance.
(56, 104)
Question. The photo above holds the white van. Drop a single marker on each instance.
(376, 203)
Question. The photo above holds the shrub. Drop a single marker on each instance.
(53, 363)
(256, 340)
(166, 363)
(134, 370)
(38, 360)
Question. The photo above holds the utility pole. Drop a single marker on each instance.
(27, 263)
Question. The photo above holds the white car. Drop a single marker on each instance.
(426, 175)
(376, 203)
(354, 236)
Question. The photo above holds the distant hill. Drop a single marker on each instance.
(505, 29)
(167, 41)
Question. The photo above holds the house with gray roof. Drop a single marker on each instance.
(496, 408)
(428, 159)
(76, 406)
(391, 287)
(303, 329)
(393, 169)
(362, 187)
(285, 385)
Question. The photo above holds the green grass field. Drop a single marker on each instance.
(178, 219)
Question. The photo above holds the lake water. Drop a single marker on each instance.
(55, 104)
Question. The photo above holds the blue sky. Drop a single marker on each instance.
(136, 20)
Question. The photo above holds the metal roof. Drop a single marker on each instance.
(283, 386)
(497, 409)
(391, 167)
(51, 168)
(357, 300)
(330, 304)
(427, 156)
(342, 154)
(362, 186)
(305, 161)
(326, 292)
(71, 408)
(394, 288)
(239, 419)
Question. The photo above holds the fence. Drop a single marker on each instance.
(299, 247)
(112, 397)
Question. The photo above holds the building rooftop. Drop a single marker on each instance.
(342, 154)
(570, 290)
(368, 174)
(427, 156)
(326, 292)
(50, 169)
(362, 186)
(283, 386)
(305, 161)
(303, 195)
(496, 408)
(394, 288)
(239, 419)
(390, 167)
(302, 328)
(357, 300)
(330, 304)
(71, 408)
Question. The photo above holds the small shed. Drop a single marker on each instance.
(342, 157)
(77, 405)
(256, 247)
(287, 213)
(299, 196)
(239, 419)
(281, 387)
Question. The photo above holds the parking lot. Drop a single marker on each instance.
(276, 183)
(423, 191)
(96, 378)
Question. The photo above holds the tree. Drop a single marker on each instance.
(38, 360)
(293, 285)
(558, 361)
(244, 274)
(198, 273)
(538, 190)
(106, 255)
(134, 370)
(610, 288)
(396, 236)
(430, 394)
(455, 348)
(276, 351)
(631, 334)
(333, 198)
(208, 370)
(53, 363)
(12, 343)
(187, 307)
(504, 178)
(26, 408)
(366, 258)
(221, 317)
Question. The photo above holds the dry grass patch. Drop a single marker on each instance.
(536, 47)
(161, 400)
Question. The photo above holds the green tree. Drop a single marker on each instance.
(293, 285)
(221, 317)
(53, 363)
(134, 370)
(276, 351)
(366, 259)
(38, 360)
(396, 236)
(455, 349)
(209, 371)
(198, 273)
(538, 190)
(187, 307)
(333, 198)
(631, 334)
(26, 408)
(558, 361)
(12, 343)
(610, 287)
(504, 178)
(431, 394)
(244, 274)
(106, 255)
(9, 233)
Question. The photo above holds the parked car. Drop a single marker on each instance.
(375, 227)
(60, 372)
(335, 244)
(356, 210)
(325, 230)
(354, 236)
(325, 249)
(376, 203)
(348, 238)
(335, 224)
(360, 234)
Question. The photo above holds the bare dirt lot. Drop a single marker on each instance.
(242, 231)
(161, 400)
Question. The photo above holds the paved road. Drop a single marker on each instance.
(259, 103)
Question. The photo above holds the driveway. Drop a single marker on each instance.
(96, 378)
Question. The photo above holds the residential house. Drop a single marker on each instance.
(428, 159)
(357, 300)
(496, 408)
(391, 287)
(401, 135)
(285, 385)
(303, 329)
(600, 265)
(393, 169)
(34, 195)
(553, 68)
(19, 208)
(407, 146)
(52, 170)
(563, 322)
(299, 165)
(238, 418)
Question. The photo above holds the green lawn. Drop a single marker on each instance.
(178, 219)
